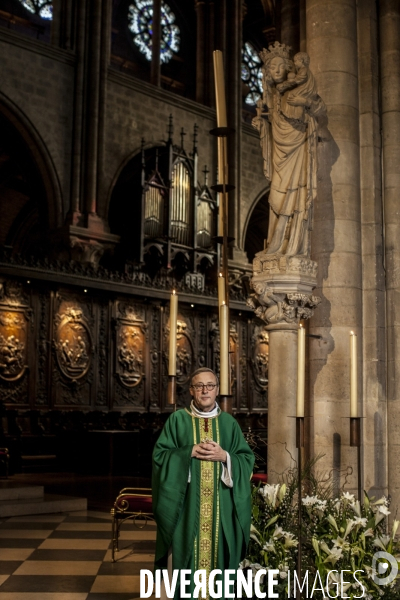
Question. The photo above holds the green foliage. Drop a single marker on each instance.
(337, 534)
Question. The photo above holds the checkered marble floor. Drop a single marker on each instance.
(68, 557)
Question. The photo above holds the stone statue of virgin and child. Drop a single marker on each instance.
(288, 116)
(287, 122)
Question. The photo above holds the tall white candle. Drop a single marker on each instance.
(219, 88)
(301, 365)
(221, 290)
(173, 322)
(224, 349)
(353, 376)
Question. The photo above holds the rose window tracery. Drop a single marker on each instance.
(41, 8)
(140, 17)
(251, 74)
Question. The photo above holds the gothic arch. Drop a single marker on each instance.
(25, 134)
(256, 225)
(132, 158)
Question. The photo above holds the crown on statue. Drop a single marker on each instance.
(275, 49)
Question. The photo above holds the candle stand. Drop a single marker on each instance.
(299, 446)
(355, 441)
(223, 189)
(171, 392)
(225, 403)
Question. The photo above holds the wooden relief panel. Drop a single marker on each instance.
(15, 319)
(130, 355)
(243, 400)
(73, 349)
(233, 352)
(259, 362)
(155, 357)
(101, 396)
(185, 356)
(43, 348)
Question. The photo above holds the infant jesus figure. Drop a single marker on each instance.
(294, 104)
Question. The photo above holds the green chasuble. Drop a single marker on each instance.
(206, 523)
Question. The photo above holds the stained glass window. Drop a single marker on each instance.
(251, 73)
(42, 8)
(140, 17)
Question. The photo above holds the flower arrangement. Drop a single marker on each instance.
(337, 534)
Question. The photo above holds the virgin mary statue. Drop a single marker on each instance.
(287, 121)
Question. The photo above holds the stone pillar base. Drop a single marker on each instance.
(282, 297)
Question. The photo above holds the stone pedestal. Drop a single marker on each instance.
(84, 240)
(389, 24)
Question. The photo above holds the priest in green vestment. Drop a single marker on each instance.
(202, 467)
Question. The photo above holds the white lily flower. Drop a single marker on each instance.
(360, 521)
(290, 541)
(383, 510)
(282, 574)
(350, 526)
(278, 532)
(334, 555)
(348, 496)
(395, 528)
(324, 547)
(332, 521)
(269, 546)
(269, 493)
(382, 541)
(254, 534)
(244, 564)
(341, 543)
(369, 532)
(356, 507)
(310, 500)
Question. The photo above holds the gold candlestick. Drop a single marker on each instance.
(220, 88)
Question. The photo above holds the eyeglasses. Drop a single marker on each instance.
(199, 387)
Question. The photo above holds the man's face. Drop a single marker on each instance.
(204, 399)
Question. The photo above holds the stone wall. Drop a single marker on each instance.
(38, 80)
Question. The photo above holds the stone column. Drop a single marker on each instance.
(389, 24)
(374, 335)
(336, 238)
(290, 24)
(282, 452)
(156, 44)
(85, 235)
(76, 173)
(234, 105)
(302, 26)
(282, 296)
(200, 52)
(92, 106)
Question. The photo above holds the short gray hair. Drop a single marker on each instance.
(203, 370)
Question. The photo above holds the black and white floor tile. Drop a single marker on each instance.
(68, 557)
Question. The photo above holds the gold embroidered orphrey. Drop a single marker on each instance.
(204, 545)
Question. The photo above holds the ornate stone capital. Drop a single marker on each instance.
(282, 311)
(282, 289)
(271, 264)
